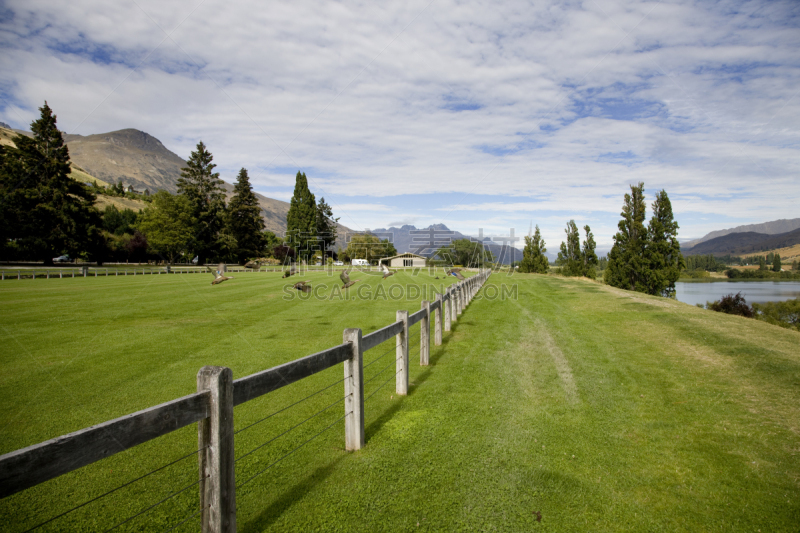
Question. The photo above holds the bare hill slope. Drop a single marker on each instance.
(139, 159)
(774, 227)
(746, 243)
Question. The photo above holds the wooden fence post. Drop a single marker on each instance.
(425, 335)
(437, 322)
(401, 355)
(459, 299)
(216, 456)
(448, 308)
(354, 392)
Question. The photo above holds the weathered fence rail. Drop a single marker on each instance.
(85, 271)
(211, 407)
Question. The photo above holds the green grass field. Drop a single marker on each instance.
(593, 408)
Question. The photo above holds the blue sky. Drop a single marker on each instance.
(464, 113)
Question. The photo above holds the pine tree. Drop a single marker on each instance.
(588, 255)
(203, 189)
(326, 225)
(570, 255)
(627, 267)
(42, 209)
(664, 257)
(533, 258)
(244, 220)
(301, 221)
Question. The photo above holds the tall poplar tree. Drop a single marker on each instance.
(244, 220)
(326, 225)
(533, 258)
(588, 255)
(664, 258)
(627, 265)
(203, 188)
(570, 255)
(42, 209)
(301, 221)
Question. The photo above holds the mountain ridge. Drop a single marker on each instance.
(748, 242)
(774, 227)
(139, 159)
(406, 241)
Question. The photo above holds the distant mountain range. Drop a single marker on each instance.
(748, 242)
(769, 228)
(425, 241)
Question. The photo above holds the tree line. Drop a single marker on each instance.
(644, 259)
(45, 213)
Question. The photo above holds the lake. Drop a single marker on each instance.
(753, 291)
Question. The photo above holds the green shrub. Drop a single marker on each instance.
(732, 304)
(784, 314)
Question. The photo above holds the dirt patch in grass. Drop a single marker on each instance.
(537, 337)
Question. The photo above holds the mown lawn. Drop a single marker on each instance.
(592, 408)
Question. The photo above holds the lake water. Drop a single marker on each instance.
(753, 291)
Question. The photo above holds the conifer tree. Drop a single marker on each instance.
(244, 220)
(664, 258)
(42, 209)
(588, 255)
(533, 258)
(570, 255)
(627, 268)
(203, 189)
(326, 225)
(301, 221)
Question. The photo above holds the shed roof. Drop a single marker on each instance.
(407, 255)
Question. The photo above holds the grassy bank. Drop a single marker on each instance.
(590, 407)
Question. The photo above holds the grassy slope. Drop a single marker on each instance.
(677, 418)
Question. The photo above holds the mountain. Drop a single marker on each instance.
(139, 159)
(409, 238)
(131, 156)
(748, 242)
(769, 228)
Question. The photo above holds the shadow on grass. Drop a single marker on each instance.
(273, 512)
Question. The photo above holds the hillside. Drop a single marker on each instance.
(774, 227)
(409, 238)
(745, 243)
(139, 159)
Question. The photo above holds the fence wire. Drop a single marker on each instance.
(288, 406)
(293, 450)
(382, 385)
(114, 490)
(184, 489)
(179, 524)
(290, 429)
(387, 352)
(381, 371)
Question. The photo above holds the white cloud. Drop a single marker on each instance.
(549, 110)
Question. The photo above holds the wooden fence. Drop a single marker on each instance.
(87, 271)
(211, 407)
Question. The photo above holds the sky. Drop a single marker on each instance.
(481, 116)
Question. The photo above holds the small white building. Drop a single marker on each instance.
(404, 260)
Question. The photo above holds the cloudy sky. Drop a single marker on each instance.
(472, 114)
